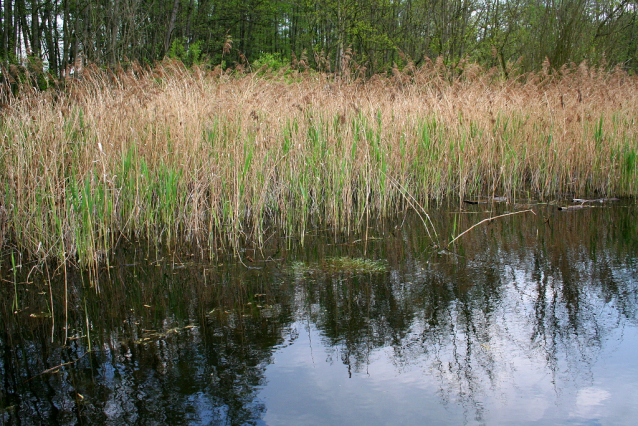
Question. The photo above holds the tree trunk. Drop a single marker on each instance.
(171, 27)
(6, 46)
(35, 28)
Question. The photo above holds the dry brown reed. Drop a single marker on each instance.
(170, 153)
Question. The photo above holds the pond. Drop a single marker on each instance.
(530, 318)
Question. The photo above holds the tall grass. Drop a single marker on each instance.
(170, 153)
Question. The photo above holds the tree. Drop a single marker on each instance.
(376, 33)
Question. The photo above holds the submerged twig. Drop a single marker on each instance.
(487, 220)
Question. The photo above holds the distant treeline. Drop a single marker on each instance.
(320, 34)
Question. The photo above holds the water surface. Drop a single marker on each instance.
(528, 319)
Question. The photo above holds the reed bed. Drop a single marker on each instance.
(219, 159)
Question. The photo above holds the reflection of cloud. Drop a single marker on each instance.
(588, 402)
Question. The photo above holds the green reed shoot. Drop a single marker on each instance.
(16, 305)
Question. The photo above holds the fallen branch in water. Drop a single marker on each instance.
(597, 200)
(487, 220)
(583, 203)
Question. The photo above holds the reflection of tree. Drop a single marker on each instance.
(435, 318)
(579, 298)
(171, 348)
(205, 374)
(357, 314)
(519, 288)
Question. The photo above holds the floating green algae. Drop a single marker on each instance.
(342, 264)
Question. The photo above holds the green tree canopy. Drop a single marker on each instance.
(375, 33)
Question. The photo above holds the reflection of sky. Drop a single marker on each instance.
(307, 384)
(508, 379)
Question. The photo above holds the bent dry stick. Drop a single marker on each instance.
(487, 220)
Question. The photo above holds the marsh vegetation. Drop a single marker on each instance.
(223, 159)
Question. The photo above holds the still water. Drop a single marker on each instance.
(528, 319)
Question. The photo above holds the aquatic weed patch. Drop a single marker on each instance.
(337, 265)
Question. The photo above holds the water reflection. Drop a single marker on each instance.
(540, 309)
